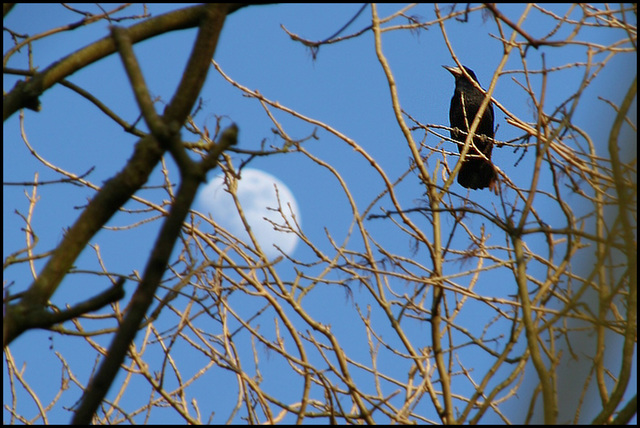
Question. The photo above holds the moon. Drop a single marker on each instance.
(257, 194)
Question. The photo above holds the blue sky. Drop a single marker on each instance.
(343, 87)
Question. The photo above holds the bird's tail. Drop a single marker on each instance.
(478, 174)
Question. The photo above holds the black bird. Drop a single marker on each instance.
(476, 172)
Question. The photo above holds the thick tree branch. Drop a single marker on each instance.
(143, 297)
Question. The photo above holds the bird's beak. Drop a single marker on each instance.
(453, 70)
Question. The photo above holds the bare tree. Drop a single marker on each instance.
(492, 309)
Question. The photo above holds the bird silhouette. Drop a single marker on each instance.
(475, 172)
